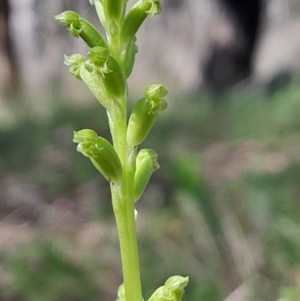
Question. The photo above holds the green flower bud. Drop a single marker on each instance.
(68, 17)
(176, 282)
(114, 81)
(146, 164)
(173, 289)
(137, 15)
(80, 27)
(128, 57)
(121, 293)
(110, 71)
(75, 61)
(155, 91)
(95, 83)
(85, 136)
(98, 56)
(91, 35)
(101, 153)
(144, 114)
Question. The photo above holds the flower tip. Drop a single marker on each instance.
(155, 91)
(155, 8)
(85, 135)
(74, 59)
(67, 17)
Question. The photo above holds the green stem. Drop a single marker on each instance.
(123, 205)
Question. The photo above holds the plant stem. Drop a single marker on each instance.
(123, 205)
(129, 251)
(122, 197)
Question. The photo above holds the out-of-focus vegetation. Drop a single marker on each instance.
(223, 208)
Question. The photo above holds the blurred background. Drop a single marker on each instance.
(224, 206)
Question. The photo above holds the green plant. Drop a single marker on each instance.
(105, 71)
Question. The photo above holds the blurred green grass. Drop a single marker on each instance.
(223, 208)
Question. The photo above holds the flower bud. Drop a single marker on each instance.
(155, 91)
(101, 153)
(109, 70)
(128, 57)
(91, 35)
(75, 61)
(85, 136)
(176, 282)
(68, 17)
(78, 26)
(114, 81)
(98, 55)
(146, 164)
(144, 114)
(121, 293)
(173, 289)
(137, 15)
(95, 84)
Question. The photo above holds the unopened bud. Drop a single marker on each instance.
(75, 61)
(80, 27)
(101, 153)
(173, 289)
(146, 164)
(121, 293)
(136, 16)
(144, 114)
(128, 57)
(155, 91)
(109, 70)
(95, 83)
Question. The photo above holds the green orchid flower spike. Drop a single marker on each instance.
(105, 69)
